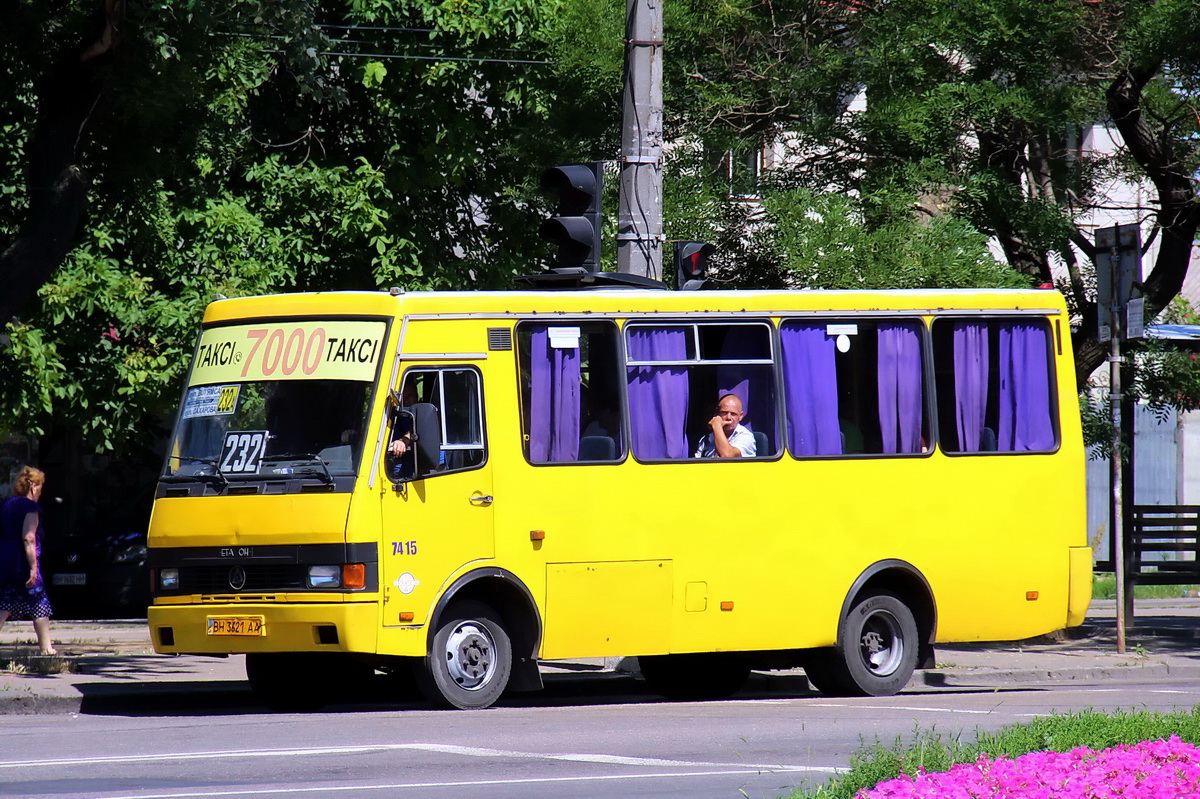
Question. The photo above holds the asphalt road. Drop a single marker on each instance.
(577, 740)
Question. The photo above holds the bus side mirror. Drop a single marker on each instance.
(427, 438)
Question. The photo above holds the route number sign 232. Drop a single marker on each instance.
(243, 451)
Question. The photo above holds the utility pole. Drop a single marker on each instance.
(639, 196)
(1118, 290)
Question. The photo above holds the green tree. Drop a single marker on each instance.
(160, 153)
(974, 111)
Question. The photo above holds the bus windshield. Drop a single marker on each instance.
(270, 429)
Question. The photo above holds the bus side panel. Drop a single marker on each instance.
(607, 609)
(1003, 573)
(763, 554)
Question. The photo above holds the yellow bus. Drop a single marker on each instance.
(453, 486)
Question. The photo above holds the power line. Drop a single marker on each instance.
(468, 59)
(424, 57)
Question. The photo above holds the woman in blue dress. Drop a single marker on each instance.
(22, 592)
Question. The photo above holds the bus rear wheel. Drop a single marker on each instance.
(695, 676)
(877, 646)
(469, 661)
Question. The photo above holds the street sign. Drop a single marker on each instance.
(1119, 280)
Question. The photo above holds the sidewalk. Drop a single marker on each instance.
(110, 666)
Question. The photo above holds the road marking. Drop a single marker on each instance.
(468, 751)
(849, 706)
(213, 755)
(307, 789)
(998, 710)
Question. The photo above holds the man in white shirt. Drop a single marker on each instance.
(728, 438)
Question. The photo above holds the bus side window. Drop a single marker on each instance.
(677, 373)
(570, 392)
(995, 385)
(854, 388)
(453, 403)
(461, 407)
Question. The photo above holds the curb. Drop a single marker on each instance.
(39, 704)
(992, 677)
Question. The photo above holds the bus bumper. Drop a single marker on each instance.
(1080, 589)
(247, 627)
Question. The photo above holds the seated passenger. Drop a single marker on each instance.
(728, 438)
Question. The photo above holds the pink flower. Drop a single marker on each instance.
(1167, 769)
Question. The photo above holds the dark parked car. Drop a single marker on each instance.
(108, 578)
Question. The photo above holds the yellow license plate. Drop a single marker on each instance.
(236, 625)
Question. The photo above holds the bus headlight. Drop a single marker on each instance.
(324, 576)
(168, 579)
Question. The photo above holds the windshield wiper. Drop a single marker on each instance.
(215, 477)
(310, 459)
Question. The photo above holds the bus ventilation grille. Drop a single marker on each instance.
(499, 339)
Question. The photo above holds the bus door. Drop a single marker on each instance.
(437, 511)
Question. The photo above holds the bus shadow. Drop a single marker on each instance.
(234, 698)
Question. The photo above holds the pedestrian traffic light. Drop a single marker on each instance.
(575, 226)
(691, 264)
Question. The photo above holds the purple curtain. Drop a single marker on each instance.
(753, 383)
(658, 395)
(899, 374)
(1025, 423)
(810, 386)
(553, 400)
(970, 383)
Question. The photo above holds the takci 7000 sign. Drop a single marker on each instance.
(334, 350)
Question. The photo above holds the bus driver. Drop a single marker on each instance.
(728, 438)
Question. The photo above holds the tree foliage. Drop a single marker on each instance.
(157, 153)
(983, 112)
(238, 148)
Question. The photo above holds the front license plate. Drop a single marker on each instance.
(69, 579)
(236, 625)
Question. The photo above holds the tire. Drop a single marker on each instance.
(694, 676)
(877, 646)
(469, 660)
(305, 681)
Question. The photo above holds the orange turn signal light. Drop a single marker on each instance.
(354, 575)
(537, 535)
(726, 606)
(1031, 595)
(406, 615)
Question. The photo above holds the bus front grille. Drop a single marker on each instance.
(220, 579)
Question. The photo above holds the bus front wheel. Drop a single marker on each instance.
(877, 646)
(470, 659)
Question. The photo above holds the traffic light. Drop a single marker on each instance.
(575, 227)
(691, 264)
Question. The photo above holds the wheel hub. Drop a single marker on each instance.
(881, 644)
(469, 656)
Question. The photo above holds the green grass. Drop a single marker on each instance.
(32, 662)
(1104, 586)
(1060, 733)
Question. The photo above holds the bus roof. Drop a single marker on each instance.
(637, 301)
